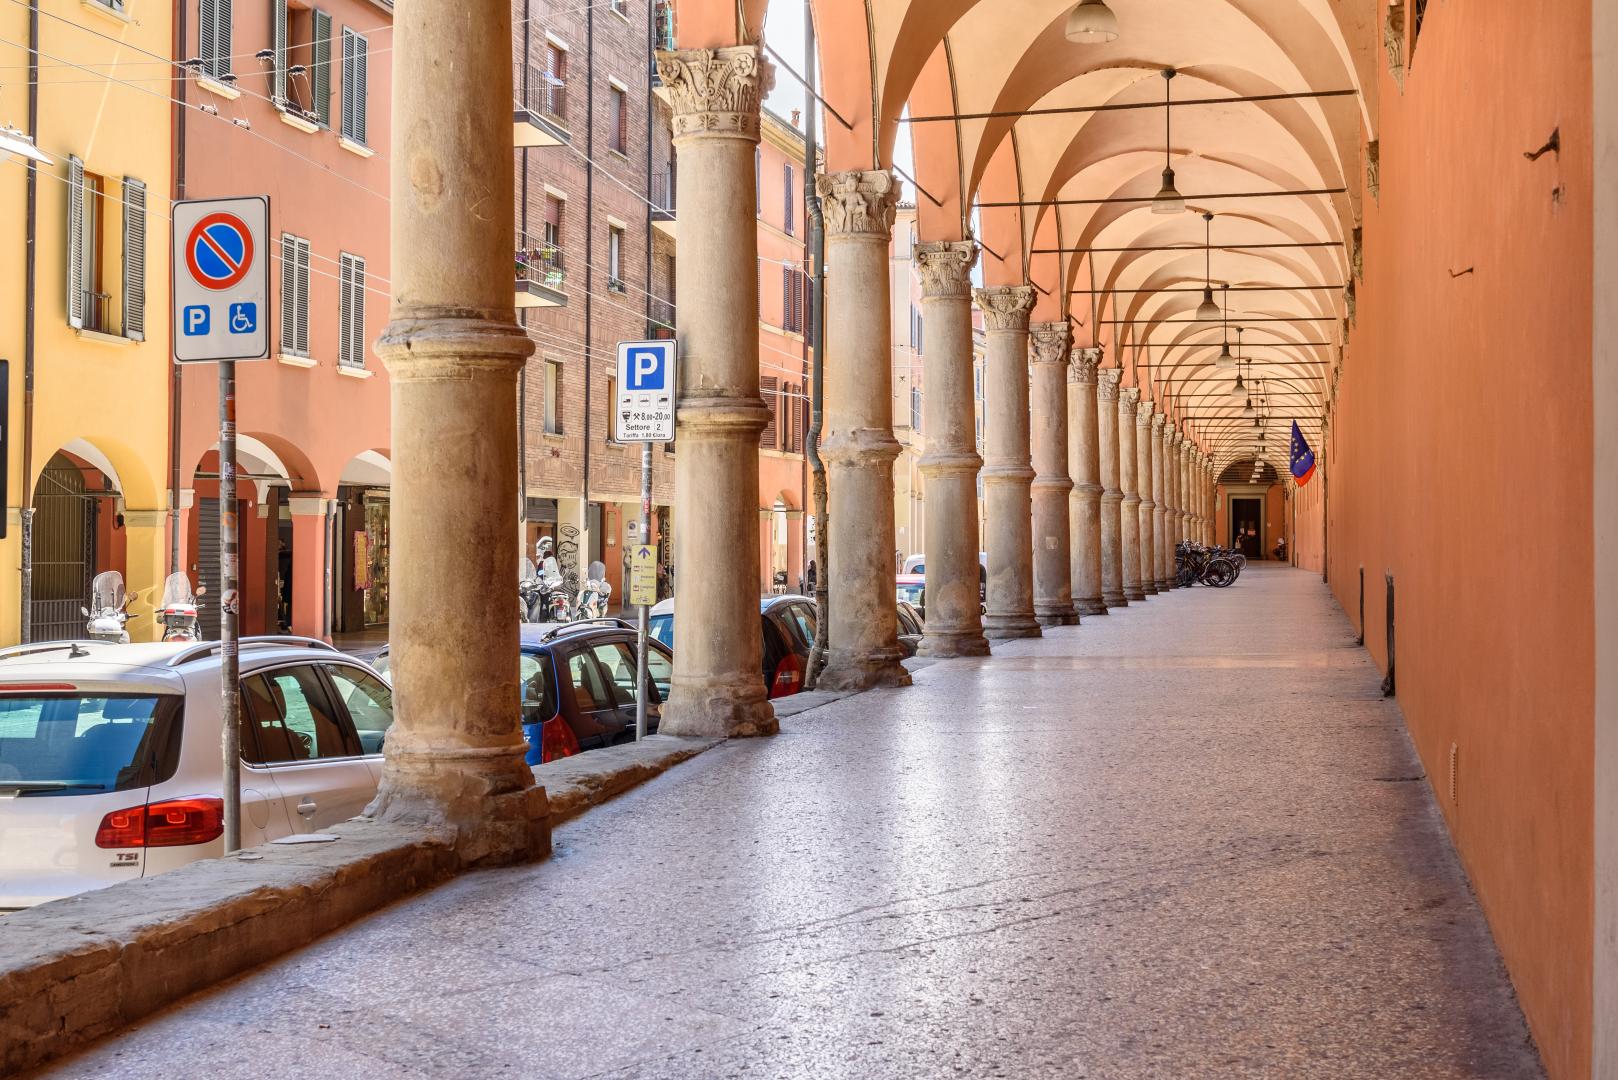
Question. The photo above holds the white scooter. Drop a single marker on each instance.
(592, 603)
(178, 612)
(553, 604)
(107, 612)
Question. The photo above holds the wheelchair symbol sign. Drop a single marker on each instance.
(243, 318)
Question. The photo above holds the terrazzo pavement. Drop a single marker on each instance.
(1185, 839)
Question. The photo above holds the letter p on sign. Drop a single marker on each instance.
(647, 370)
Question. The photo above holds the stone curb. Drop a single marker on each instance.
(75, 970)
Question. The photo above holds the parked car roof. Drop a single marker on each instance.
(664, 607)
(153, 666)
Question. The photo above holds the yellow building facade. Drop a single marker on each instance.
(88, 448)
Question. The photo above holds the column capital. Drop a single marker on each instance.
(1050, 342)
(1006, 307)
(1143, 410)
(945, 267)
(1107, 383)
(1128, 396)
(1159, 422)
(716, 92)
(1082, 364)
(858, 203)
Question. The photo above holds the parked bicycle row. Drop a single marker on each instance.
(1199, 564)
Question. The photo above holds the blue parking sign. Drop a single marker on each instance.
(648, 365)
(195, 321)
(645, 406)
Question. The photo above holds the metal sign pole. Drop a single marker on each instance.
(644, 540)
(229, 607)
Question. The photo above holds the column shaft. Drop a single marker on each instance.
(1143, 480)
(1007, 472)
(1128, 482)
(1053, 569)
(1084, 465)
(950, 462)
(858, 445)
(717, 689)
(1112, 496)
(1160, 490)
(455, 754)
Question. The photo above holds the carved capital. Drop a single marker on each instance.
(1159, 422)
(1107, 383)
(858, 203)
(1006, 307)
(716, 91)
(1144, 411)
(1082, 365)
(1049, 342)
(1129, 397)
(946, 269)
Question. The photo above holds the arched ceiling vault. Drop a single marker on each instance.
(1058, 148)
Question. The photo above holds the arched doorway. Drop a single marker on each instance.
(1254, 515)
(78, 533)
(360, 560)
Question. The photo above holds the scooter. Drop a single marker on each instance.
(108, 610)
(530, 605)
(553, 602)
(592, 603)
(178, 612)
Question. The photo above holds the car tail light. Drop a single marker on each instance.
(171, 823)
(788, 677)
(556, 739)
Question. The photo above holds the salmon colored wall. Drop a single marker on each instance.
(1307, 541)
(1463, 425)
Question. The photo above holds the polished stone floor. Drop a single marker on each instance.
(1187, 839)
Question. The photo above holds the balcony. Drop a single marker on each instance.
(663, 202)
(540, 274)
(660, 320)
(662, 39)
(539, 117)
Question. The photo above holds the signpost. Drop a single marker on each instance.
(220, 282)
(645, 412)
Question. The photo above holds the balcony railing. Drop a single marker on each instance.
(659, 319)
(664, 190)
(540, 273)
(541, 107)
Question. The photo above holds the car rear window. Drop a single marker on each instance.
(72, 744)
(661, 630)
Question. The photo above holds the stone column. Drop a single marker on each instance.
(1112, 496)
(858, 445)
(1129, 482)
(455, 756)
(310, 599)
(1210, 486)
(1007, 473)
(1050, 343)
(1143, 483)
(1160, 494)
(950, 462)
(1084, 465)
(717, 689)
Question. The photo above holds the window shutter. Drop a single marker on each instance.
(222, 36)
(207, 39)
(360, 64)
(302, 335)
(786, 298)
(345, 304)
(356, 332)
(75, 243)
(349, 93)
(289, 293)
(278, 44)
(134, 259)
(786, 192)
(772, 402)
(320, 61)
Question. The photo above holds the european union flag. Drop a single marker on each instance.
(1303, 458)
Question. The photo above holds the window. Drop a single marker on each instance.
(538, 687)
(552, 255)
(294, 295)
(788, 216)
(99, 241)
(590, 690)
(615, 258)
(554, 100)
(915, 320)
(301, 37)
(64, 745)
(769, 438)
(612, 408)
(354, 80)
(621, 7)
(915, 408)
(794, 299)
(291, 719)
(553, 397)
(618, 113)
(369, 703)
(213, 37)
(621, 670)
(351, 310)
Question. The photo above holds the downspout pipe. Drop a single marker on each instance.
(176, 386)
(25, 490)
(817, 382)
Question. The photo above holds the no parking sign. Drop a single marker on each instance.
(221, 275)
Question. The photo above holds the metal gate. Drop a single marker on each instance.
(208, 567)
(64, 551)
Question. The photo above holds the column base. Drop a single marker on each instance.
(1007, 627)
(492, 827)
(1149, 588)
(1134, 592)
(864, 671)
(1064, 616)
(1092, 606)
(952, 643)
(722, 709)
(1112, 600)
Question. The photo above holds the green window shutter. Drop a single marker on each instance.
(75, 243)
(278, 45)
(302, 335)
(289, 293)
(222, 34)
(134, 259)
(360, 48)
(320, 77)
(207, 34)
(350, 92)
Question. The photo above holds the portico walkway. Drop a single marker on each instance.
(1186, 839)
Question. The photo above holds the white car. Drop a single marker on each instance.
(110, 765)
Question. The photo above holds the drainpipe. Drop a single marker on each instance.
(175, 386)
(589, 256)
(817, 310)
(25, 491)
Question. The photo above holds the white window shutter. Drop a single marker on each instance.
(278, 45)
(75, 243)
(345, 278)
(302, 334)
(134, 259)
(360, 81)
(222, 35)
(207, 35)
(357, 337)
(289, 293)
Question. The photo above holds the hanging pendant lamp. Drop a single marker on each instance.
(1207, 311)
(1091, 22)
(1248, 410)
(1238, 388)
(1168, 200)
(1225, 358)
